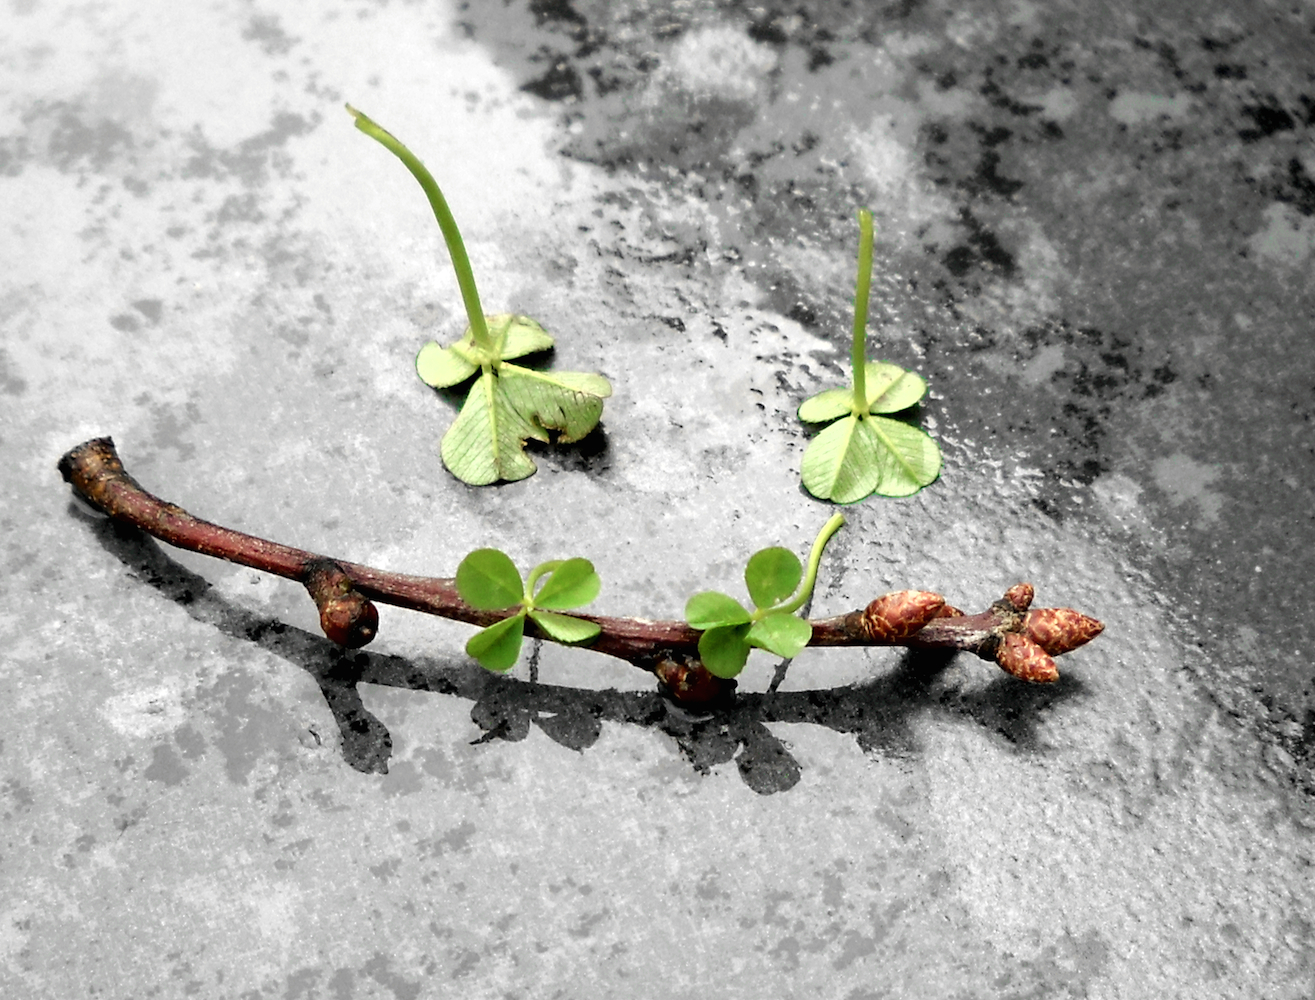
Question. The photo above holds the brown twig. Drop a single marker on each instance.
(1022, 641)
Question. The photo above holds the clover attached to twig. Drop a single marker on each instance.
(772, 577)
(488, 580)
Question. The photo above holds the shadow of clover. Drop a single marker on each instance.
(879, 713)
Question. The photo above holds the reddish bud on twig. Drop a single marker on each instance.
(895, 617)
(1020, 656)
(1019, 596)
(690, 682)
(1058, 630)
(350, 620)
(346, 615)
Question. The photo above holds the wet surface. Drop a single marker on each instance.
(1095, 242)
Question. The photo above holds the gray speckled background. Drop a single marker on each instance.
(1096, 242)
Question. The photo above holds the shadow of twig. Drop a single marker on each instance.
(878, 713)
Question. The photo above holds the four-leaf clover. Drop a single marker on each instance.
(507, 404)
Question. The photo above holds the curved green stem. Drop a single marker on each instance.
(814, 559)
(534, 576)
(455, 247)
(858, 350)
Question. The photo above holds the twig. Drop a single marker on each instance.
(1022, 641)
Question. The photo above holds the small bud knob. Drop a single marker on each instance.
(347, 616)
(690, 682)
(349, 620)
(1019, 596)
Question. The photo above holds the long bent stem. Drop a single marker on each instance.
(451, 234)
(814, 560)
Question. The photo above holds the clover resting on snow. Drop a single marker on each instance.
(508, 404)
(862, 453)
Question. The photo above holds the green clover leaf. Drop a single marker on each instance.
(780, 633)
(488, 580)
(498, 647)
(710, 609)
(772, 577)
(572, 583)
(509, 404)
(723, 649)
(862, 453)
(564, 628)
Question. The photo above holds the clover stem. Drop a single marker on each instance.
(814, 559)
(858, 351)
(533, 578)
(451, 234)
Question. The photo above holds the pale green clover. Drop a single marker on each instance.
(507, 404)
(772, 577)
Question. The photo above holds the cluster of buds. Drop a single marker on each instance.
(1023, 640)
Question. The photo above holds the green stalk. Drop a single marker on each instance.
(819, 543)
(533, 578)
(858, 351)
(455, 247)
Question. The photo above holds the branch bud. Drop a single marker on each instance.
(349, 620)
(1058, 630)
(690, 682)
(1020, 656)
(347, 616)
(895, 617)
(1019, 596)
